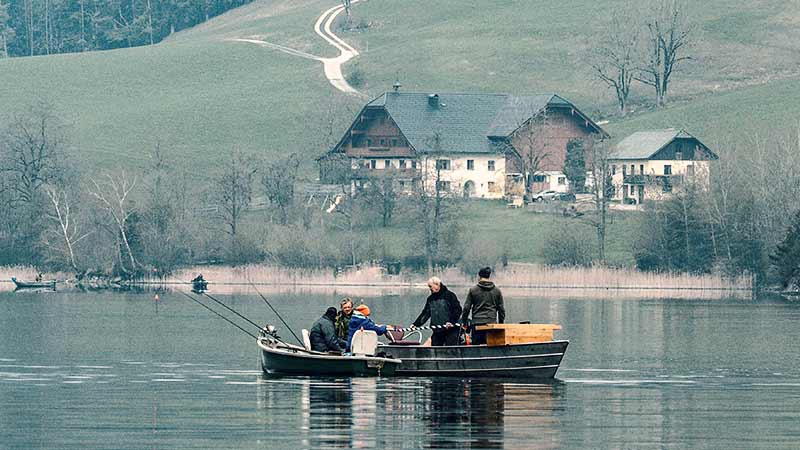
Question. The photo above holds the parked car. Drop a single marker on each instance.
(544, 195)
(566, 197)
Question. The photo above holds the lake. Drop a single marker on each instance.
(120, 370)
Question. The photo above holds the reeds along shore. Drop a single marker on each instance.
(515, 280)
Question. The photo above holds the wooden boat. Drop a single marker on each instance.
(512, 351)
(199, 286)
(50, 284)
(280, 358)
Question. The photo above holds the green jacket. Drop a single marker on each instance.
(485, 303)
(343, 325)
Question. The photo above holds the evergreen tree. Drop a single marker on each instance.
(786, 258)
(575, 166)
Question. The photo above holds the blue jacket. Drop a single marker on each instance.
(359, 321)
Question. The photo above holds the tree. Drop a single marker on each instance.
(785, 259)
(669, 34)
(233, 190)
(613, 60)
(7, 32)
(603, 189)
(113, 192)
(278, 180)
(68, 231)
(529, 147)
(33, 153)
(380, 193)
(432, 203)
(575, 166)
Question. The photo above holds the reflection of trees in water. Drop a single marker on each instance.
(424, 413)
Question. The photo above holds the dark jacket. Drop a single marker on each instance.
(359, 321)
(323, 336)
(441, 307)
(485, 302)
(343, 325)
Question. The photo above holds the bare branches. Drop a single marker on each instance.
(234, 189)
(613, 62)
(669, 33)
(63, 216)
(278, 180)
(113, 193)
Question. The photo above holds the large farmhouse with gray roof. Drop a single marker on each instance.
(467, 144)
(647, 165)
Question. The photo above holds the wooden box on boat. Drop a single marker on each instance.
(517, 333)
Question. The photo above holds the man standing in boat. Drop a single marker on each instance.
(443, 309)
(343, 318)
(323, 334)
(485, 303)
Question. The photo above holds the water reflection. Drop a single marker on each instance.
(421, 413)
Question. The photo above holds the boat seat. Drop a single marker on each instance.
(364, 342)
(306, 339)
(399, 337)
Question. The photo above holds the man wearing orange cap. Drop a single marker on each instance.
(361, 321)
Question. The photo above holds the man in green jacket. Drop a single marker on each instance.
(343, 318)
(485, 303)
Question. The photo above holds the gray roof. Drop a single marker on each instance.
(465, 123)
(644, 144)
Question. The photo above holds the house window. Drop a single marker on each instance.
(613, 169)
(387, 164)
(539, 178)
(630, 188)
(369, 142)
(667, 169)
(358, 141)
(641, 169)
(678, 156)
(365, 163)
(443, 186)
(690, 171)
(491, 166)
(402, 185)
(491, 185)
(394, 142)
(373, 164)
(624, 171)
(402, 163)
(383, 142)
(442, 164)
(470, 164)
(633, 169)
(413, 164)
(562, 180)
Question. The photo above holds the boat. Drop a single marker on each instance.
(49, 284)
(512, 351)
(199, 286)
(281, 358)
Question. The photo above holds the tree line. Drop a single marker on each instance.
(44, 27)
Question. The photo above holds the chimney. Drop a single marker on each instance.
(396, 86)
(433, 100)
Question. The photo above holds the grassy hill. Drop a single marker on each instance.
(199, 94)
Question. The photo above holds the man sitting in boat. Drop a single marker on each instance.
(361, 321)
(443, 309)
(343, 318)
(323, 334)
(485, 302)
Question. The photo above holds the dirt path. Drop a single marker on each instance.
(331, 66)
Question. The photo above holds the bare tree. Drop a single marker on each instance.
(380, 193)
(613, 60)
(68, 229)
(669, 34)
(278, 180)
(32, 153)
(113, 194)
(234, 189)
(602, 193)
(432, 202)
(529, 147)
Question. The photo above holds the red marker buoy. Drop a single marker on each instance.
(156, 297)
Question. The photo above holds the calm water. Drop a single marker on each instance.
(114, 371)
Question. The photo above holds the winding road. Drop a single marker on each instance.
(331, 66)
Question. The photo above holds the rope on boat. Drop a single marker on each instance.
(429, 327)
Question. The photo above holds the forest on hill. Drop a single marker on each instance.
(47, 27)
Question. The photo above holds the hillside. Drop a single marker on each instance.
(199, 94)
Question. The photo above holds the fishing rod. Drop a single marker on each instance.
(276, 312)
(231, 310)
(218, 314)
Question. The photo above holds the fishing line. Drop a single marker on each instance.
(218, 314)
(231, 310)
(276, 312)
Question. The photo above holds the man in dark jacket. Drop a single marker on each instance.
(485, 302)
(323, 334)
(442, 308)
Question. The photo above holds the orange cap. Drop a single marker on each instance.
(363, 309)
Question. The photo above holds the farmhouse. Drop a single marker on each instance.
(648, 165)
(475, 145)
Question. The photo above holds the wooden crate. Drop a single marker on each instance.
(518, 333)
